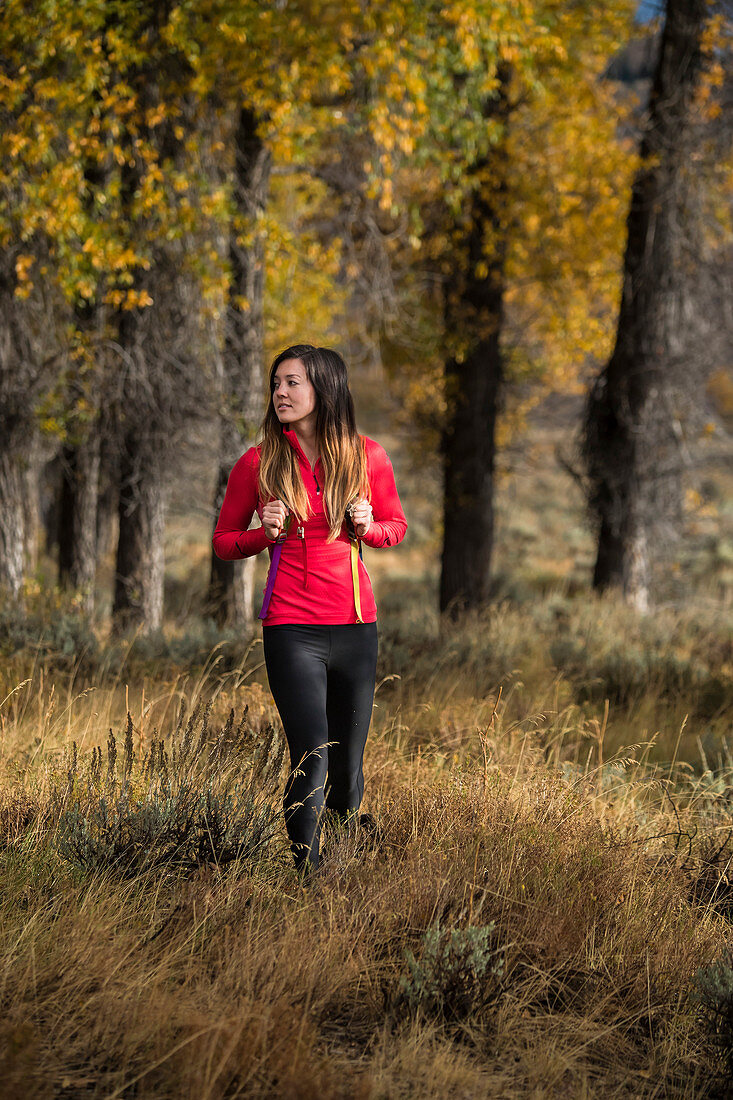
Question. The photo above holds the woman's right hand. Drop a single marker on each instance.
(274, 514)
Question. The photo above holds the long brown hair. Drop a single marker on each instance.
(340, 447)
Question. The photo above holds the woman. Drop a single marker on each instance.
(320, 489)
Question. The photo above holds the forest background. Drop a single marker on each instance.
(514, 220)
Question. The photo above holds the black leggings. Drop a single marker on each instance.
(322, 680)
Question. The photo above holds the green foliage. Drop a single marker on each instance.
(211, 800)
(53, 627)
(713, 986)
(459, 971)
(601, 649)
(53, 624)
(624, 671)
(192, 647)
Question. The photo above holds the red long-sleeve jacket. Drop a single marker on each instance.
(314, 582)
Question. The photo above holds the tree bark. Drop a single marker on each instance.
(77, 521)
(230, 594)
(32, 496)
(145, 417)
(143, 441)
(138, 590)
(474, 315)
(631, 433)
(469, 452)
(138, 597)
(14, 456)
(107, 495)
(21, 381)
(107, 498)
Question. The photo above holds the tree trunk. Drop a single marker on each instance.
(107, 495)
(474, 314)
(142, 432)
(50, 480)
(14, 457)
(231, 585)
(138, 597)
(142, 438)
(631, 434)
(21, 381)
(32, 495)
(77, 526)
(469, 449)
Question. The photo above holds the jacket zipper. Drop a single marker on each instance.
(301, 532)
(301, 535)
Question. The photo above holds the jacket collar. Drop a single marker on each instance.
(292, 439)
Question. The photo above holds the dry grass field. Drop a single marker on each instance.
(546, 914)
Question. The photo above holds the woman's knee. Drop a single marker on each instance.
(309, 765)
(344, 788)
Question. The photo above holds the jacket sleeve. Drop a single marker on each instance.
(389, 525)
(231, 539)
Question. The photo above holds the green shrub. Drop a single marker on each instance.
(193, 647)
(459, 972)
(713, 986)
(53, 624)
(213, 799)
(622, 672)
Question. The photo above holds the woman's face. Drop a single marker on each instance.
(293, 395)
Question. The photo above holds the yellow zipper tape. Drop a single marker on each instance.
(355, 578)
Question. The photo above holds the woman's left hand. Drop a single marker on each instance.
(361, 515)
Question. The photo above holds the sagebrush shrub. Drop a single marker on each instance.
(713, 985)
(52, 624)
(459, 971)
(212, 799)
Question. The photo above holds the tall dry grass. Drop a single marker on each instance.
(596, 873)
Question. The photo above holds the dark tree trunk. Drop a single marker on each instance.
(108, 495)
(631, 434)
(77, 521)
(50, 502)
(474, 314)
(143, 448)
(469, 450)
(138, 597)
(142, 431)
(231, 584)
